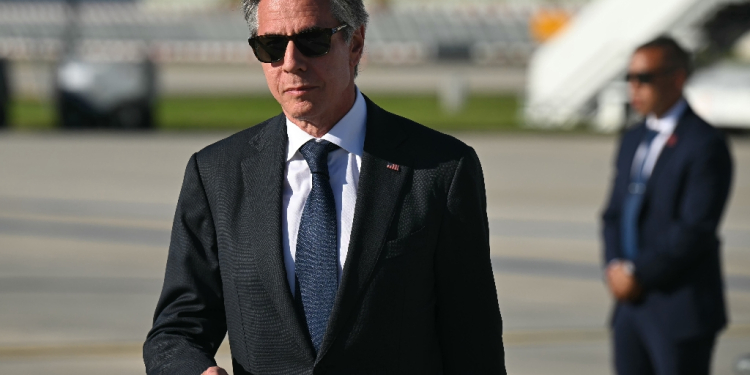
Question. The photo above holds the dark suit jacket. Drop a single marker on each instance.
(417, 294)
(678, 263)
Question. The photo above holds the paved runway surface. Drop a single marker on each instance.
(85, 221)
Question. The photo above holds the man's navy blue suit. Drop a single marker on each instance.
(682, 306)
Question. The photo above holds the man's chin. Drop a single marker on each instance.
(639, 109)
(301, 110)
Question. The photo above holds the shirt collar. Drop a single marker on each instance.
(348, 133)
(668, 123)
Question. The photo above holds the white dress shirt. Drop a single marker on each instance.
(343, 169)
(665, 127)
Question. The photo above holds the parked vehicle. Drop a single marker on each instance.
(721, 94)
(102, 94)
(95, 89)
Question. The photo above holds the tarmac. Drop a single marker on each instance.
(85, 221)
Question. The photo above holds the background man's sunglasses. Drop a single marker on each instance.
(647, 77)
(311, 43)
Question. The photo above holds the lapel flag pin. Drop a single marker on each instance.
(393, 167)
(672, 141)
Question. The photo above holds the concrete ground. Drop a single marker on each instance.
(84, 230)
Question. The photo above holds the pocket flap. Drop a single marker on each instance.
(399, 246)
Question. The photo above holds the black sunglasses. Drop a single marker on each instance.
(645, 78)
(312, 43)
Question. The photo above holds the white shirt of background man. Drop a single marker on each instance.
(665, 126)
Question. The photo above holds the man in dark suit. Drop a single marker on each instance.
(335, 238)
(673, 175)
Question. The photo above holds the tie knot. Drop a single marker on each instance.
(649, 137)
(316, 155)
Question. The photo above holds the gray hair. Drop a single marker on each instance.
(350, 12)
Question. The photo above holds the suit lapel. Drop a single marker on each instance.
(378, 194)
(263, 174)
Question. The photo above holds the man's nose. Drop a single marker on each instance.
(293, 58)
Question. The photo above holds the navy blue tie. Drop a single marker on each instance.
(316, 261)
(631, 208)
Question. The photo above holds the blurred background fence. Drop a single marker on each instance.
(422, 57)
(405, 32)
(540, 63)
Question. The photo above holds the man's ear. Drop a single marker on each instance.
(681, 77)
(357, 46)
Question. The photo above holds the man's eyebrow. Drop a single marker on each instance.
(311, 28)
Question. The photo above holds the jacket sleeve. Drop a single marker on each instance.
(469, 324)
(189, 322)
(693, 231)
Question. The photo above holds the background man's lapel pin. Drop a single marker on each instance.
(393, 167)
(672, 141)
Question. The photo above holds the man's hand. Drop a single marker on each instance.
(216, 370)
(621, 282)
